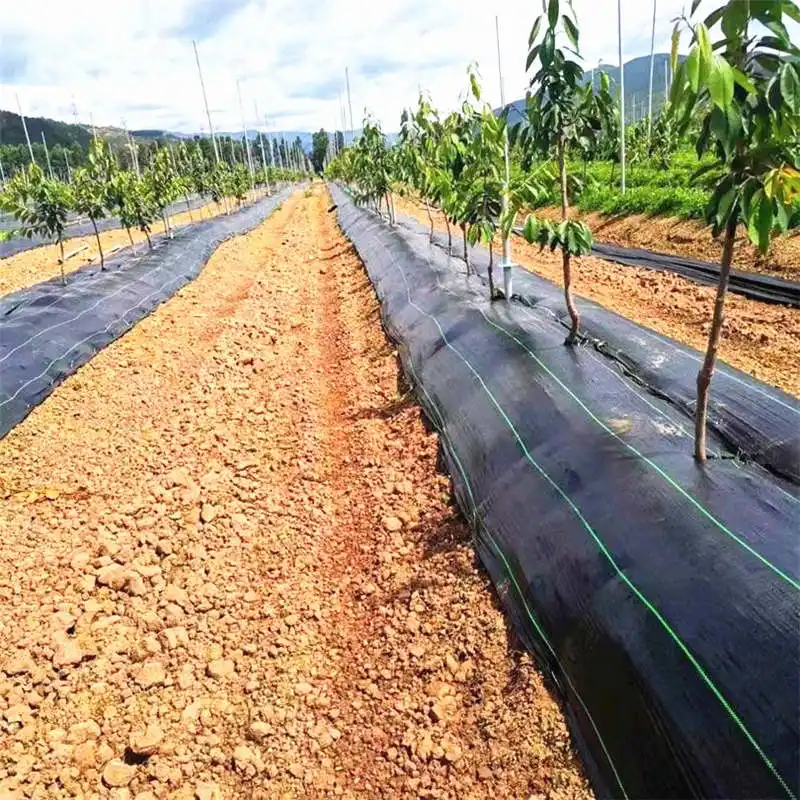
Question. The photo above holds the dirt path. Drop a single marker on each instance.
(761, 339)
(41, 263)
(224, 544)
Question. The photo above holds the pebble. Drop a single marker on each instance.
(117, 773)
(151, 673)
(146, 741)
(221, 668)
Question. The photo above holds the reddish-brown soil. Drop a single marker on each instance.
(228, 568)
(761, 339)
(692, 239)
(41, 263)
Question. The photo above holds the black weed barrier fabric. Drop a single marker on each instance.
(661, 597)
(77, 228)
(756, 421)
(48, 331)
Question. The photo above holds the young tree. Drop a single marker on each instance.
(565, 114)
(163, 185)
(133, 203)
(746, 85)
(91, 184)
(41, 205)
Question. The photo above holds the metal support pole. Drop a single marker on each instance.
(47, 157)
(205, 101)
(349, 103)
(25, 129)
(69, 169)
(621, 95)
(246, 139)
(506, 263)
(652, 64)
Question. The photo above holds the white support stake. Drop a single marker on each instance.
(621, 94)
(205, 101)
(652, 64)
(506, 263)
(25, 129)
(47, 157)
(349, 103)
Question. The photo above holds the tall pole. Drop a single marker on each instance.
(269, 142)
(506, 264)
(205, 102)
(621, 95)
(244, 133)
(2, 172)
(47, 157)
(652, 64)
(349, 103)
(69, 170)
(25, 129)
(666, 81)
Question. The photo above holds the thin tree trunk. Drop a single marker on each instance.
(130, 238)
(707, 370)
(188, 207)
(466, 252)
(61, 261)
(491, 270)
(164, 218)
(566, 262)
(99, 247)
(430, 219)
(449, 236)
(149, 240)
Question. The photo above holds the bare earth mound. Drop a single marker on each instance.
(230, 570)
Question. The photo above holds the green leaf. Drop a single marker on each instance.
(695, 3)
(720, 83)
(676, 40)
(571, 30)
(534, 31)
(704, 45)
(693, 69)
(743, 81)
(552, 13)
(476, 89)
(724, 207)
(791, 10)
(532, 53)
(790, 87)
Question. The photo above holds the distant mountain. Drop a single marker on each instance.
(63, 133)
(637, 83)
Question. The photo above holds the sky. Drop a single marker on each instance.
(134, 61)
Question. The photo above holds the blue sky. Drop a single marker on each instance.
(136, 62)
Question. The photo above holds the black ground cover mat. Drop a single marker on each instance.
(660, 596)
(48, 331)
(78, 228)
(766, 288)
(756, 421)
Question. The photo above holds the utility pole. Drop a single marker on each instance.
(25, 129)
(349, 103)
(205, 101)
(47, 157)
(652, 64)
(506, 263)
(621, 95)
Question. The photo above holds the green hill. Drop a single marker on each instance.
(56, 133)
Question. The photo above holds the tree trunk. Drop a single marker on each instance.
(130, 238)
(707, 370)
(99, 247)
(449, 236)
(491, 270)
(61, 261)
(430, 219)
(188, 207)
(164, 219)
(149, 240)
(466, 252)
(566, 262)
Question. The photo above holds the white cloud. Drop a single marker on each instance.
(136, 61)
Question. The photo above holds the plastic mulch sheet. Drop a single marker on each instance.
(660, 596)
